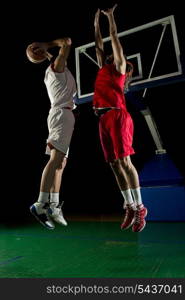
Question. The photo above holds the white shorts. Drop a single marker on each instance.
(60, 125)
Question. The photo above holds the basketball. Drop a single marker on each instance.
(35, 58)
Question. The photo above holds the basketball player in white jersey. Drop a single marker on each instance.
(61, 88)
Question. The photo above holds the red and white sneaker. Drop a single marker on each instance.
(139, 219)
(129, 217)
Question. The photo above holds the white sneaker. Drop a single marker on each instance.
(40, 212)
(56, 214)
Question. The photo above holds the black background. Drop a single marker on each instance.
(88, 184)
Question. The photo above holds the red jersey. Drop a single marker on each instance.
(109, 86)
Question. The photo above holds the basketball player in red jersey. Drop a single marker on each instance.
(115, 123)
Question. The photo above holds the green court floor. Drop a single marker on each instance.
(92, 249)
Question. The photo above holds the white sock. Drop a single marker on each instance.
(136, 193)
(128, 197)
(54, 199)
(43, 197)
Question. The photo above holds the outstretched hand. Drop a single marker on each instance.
(109, 11)
(97, 16)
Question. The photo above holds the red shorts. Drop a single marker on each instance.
(116, 134)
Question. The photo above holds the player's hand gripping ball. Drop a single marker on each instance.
(35, 54)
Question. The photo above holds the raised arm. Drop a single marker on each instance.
(64, 44)
(61, 59)
(98, 40)
(119, 58)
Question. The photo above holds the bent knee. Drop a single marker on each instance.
(62, 164)
(126, 163)
(116, 166)
(58, 163)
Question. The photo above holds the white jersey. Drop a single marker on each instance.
(61, 88)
